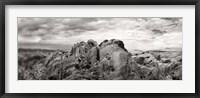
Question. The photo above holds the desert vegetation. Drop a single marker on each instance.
(109, 60)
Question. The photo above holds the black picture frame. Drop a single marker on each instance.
(99, 2)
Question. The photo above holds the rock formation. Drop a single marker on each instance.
(109, 60)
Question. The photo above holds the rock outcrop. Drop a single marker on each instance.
(114, 52)
(109, 60)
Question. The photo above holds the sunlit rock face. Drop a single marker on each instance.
(114, 52)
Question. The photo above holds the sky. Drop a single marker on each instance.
(137, 33)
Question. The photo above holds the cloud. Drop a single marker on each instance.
(136, 33)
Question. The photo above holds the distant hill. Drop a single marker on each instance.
(44, 46)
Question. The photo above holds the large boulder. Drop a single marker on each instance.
(86, 52)
(114, 49)
(119, 59)
(92, 55)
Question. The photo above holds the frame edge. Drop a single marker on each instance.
(2, 50)
(197, 47)
(2, 45)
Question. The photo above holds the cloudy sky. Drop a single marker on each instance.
(136, 33)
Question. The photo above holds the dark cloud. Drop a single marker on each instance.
(52, 26)
(31, 23)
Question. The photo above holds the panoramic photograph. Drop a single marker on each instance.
(99, 48)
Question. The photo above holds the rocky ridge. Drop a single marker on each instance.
(109, 60)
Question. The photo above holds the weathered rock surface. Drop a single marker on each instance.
(109, 60)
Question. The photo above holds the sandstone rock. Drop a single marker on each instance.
(92, 52)
(119, 43)
(116, 51)
(124, 67)
(140, 60)
(145, 59)
(105, 64)
(108, 61)
(86, 51)
(157, 56)
(179, 58)
(92, 43)
(165, 60)
(80, 49)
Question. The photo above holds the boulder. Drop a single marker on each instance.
(157, 56)
(80, 49)
(120, 60)
(92, 43)
(104, 43)
(165, 60)
(92, 55)
(145, 59)
(149, 73)
(119, 43)
(105, 64)
(140, 60)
